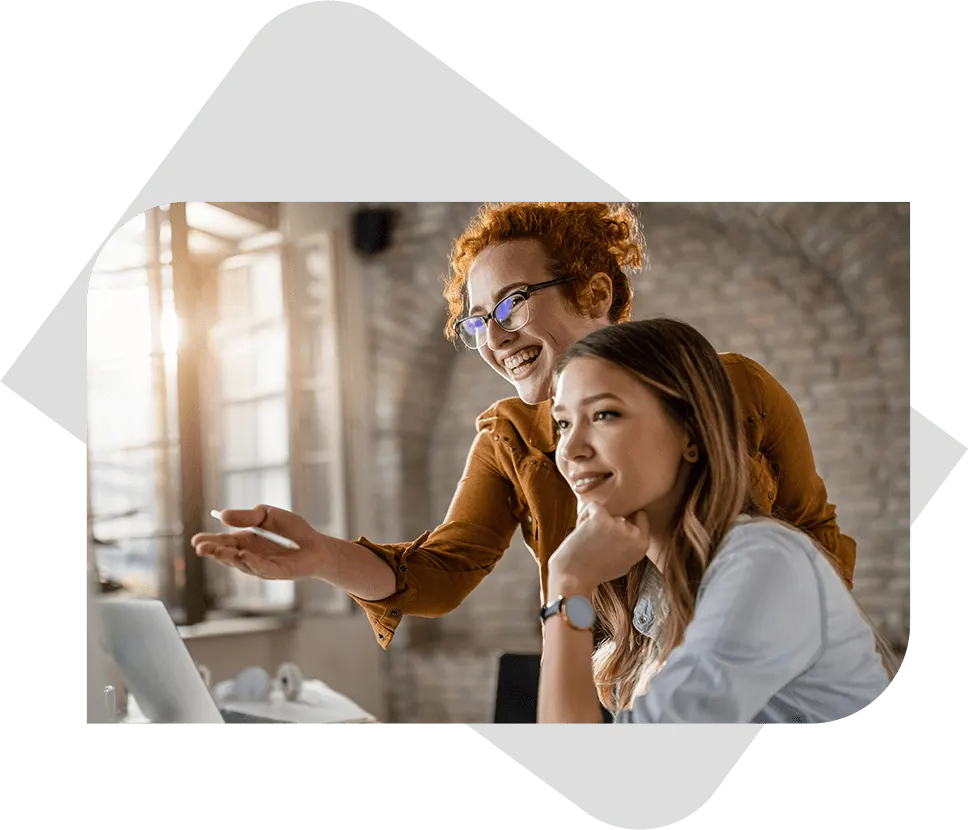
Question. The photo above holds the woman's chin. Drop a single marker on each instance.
(532, 391)
(610, 505)
(625, 508)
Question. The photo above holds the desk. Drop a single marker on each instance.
(318, 703)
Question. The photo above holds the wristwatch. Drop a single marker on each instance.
(577, 610)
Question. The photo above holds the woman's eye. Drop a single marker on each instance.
(561, 426)
(605, 415)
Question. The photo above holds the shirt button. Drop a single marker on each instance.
(770, 495)
(403, 569)
(763, 414)
(395, 613)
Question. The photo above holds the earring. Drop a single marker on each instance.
(692, 453)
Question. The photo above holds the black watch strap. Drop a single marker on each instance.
(551, 609)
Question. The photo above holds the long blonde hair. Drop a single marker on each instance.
(683, 369)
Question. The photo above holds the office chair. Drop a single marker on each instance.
(516, 698)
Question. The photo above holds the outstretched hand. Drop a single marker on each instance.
(257, 556)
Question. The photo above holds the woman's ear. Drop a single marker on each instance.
(692, 452)
(600, 294)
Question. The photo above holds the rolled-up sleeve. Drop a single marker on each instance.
(435, 572)
(757, 626)
(802, 498)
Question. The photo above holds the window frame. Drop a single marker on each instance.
(183, 401)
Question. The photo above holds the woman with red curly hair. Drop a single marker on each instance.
(527, 280)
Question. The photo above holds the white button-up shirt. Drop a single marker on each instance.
(776, 638)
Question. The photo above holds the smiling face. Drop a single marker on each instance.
(618, 445)
(526, 358)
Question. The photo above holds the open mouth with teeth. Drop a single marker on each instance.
(520, 363)
(587, 483)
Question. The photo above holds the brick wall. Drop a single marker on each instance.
(817, 293)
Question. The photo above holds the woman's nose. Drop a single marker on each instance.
(574, 446)
(497, 336)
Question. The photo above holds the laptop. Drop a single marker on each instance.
(156, 665)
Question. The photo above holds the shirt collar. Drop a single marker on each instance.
(542, 436)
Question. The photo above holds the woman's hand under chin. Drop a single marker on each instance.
(601, 548)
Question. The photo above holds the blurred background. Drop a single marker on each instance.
(293, 353)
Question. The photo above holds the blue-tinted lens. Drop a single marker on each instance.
(511, 311)
(472, 330)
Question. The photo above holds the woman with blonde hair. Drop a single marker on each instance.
(710, 609)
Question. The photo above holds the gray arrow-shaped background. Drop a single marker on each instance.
(301, 55)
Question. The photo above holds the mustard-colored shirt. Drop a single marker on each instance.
(510, 481)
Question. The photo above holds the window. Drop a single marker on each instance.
(319, 435)
(236, 403)
(248, 391)
(132, 427)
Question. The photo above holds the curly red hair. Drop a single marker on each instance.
(581, 239)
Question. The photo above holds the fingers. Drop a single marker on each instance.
(225, 539)
(265, 516)
(593, 510)
(265, 566)
(635, 525)
(244, 518)
(225, 554)
(240, 540)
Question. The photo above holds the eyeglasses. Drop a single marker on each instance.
(510, 313)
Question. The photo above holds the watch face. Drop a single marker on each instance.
(580, 612)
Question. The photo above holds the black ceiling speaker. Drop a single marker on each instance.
(371, 230)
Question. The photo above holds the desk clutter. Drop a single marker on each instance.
(286, 696)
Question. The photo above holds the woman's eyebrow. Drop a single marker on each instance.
(591, 399)
(509, 289)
